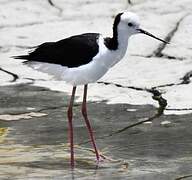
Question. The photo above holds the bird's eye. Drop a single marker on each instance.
(130, 24)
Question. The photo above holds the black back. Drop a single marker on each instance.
(71, 52)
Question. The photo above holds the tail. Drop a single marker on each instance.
(21, 57)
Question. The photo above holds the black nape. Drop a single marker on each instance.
(112, 43)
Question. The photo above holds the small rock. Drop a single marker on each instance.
(165, 123)
(148, 122)
(131, 110)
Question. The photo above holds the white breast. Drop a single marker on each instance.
(109, 58)
(94, 70)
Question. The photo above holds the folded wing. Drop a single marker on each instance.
(71, 52)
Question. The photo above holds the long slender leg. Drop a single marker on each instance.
(70, 124)
(84, 113)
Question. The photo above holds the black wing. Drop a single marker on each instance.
(71, 52)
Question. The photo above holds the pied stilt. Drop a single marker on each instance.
(83, 59)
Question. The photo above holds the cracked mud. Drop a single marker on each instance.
(127, 107)
(170, 35)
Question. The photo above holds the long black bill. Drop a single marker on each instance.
(149, 34)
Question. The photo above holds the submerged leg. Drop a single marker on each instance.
(70, 124)
(84, 113)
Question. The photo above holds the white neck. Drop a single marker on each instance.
(122, 38)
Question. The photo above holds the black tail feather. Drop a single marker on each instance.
(21, 57)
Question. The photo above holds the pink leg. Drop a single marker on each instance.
(70, 124)
(84, 112)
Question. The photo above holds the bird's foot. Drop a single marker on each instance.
(106, 158)
(103, 158)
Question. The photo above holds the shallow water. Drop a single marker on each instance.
(36, 147)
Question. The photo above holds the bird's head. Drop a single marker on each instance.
(130, 23)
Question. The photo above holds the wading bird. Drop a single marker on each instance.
(83, 59)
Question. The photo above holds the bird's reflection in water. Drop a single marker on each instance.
(75, 174)
(53, 161)
(88, 168)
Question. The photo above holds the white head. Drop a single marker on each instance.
(129, 24)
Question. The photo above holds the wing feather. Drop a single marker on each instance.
(71, 52)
